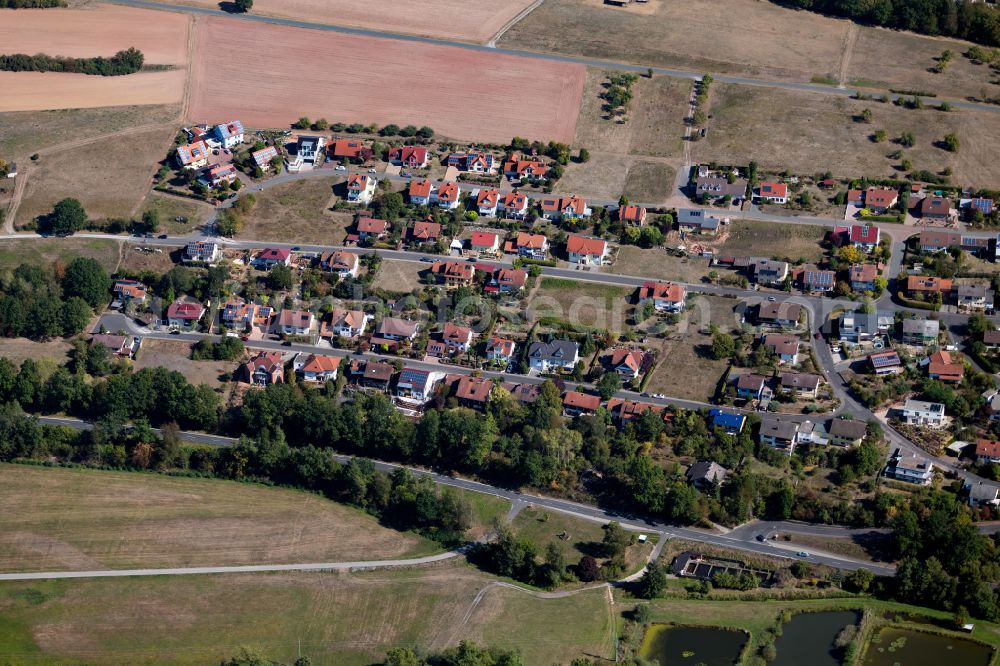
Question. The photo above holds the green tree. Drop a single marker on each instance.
(653, 582)
(76, 315)
(151, 221)
(280, 278)
(609, 384)
(723, 345)
(584, 155)
(907, 139)
(881, 135)
(87, 279)
(67, 217)
(951, 142)
(859, 580)
(243, 6)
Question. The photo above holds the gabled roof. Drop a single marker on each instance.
(782, 344)
(515, 201)
(779, 311)
(345, 148)
(474, 389)
(988, 447)
(863, 273)
(185, 310)
(352, 318)
(629, 358)
(420, 188)
(341, 260)
(864, 233)
(927, 284)
(296, 318)
(408, 153)
(585, 245)
(773, 190)
(455, 333)
(847, 428)
(377, 371)
(501, 346)
(942, 365)
(772, 427)
(935, 206)
(264, 155)
(229, 129)
(484, 239)
(663, 291)
(371, 225)
(398, 327)
(581, 401)
(359, 181)
(886, 359)
(274, 254)
(453, 269)
(556, 349)
(192, 152)
(632, 213)
(530, 241)
(750, 382)
(513, 277)
(449, 192)
(488, 198)
(798, 380)
(881, 197)
(425, 231)
(705, 470)
(320, 363)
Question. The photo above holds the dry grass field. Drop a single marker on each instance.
(399, 276)
(19, 349)
(583, 304)
(57, 519)
(809, 133)
(768, 239)
(177, 356)
(649, 181)
(659, 264)
(138, 258)
(685, 352)
(336, 618)
(109, 187)
(381, 86)
(25, 132)
(603, 177)
(297, 211)
(170, 208)
(466, 20)
(98, 30)
(736, 36)
(44, 251)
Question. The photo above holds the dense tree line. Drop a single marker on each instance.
(35, 304)
(127, 61)
(976, 22)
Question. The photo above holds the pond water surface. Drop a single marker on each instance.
(671, 645)
(903, 647)
(808, 638)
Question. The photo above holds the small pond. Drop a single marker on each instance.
(903, 647)
(808, 638)
(673, 646)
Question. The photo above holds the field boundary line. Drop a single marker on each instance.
(492, 43)
(850, 39)
(15, 200)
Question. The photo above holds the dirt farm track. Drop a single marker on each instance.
(466, 20)
(348, 78)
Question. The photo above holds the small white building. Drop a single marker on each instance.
(922, 413)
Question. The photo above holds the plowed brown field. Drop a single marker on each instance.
(467, 20)
(346, 78)
(95, 31)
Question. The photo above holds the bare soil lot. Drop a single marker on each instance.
(467, 20)
(381, 86)
(177, 356)
(297, 211)
(810, 133)
(19, 349)
(53, 518)
(743, 36)
(110, 186)
(684, 354)
(44, 251)
(25, 132)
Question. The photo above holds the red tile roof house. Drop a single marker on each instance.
(422, 193)
(449, 196)
(263, 369)
(864, 236)
(880, 199)
(935, 208)
(414, 157)
(425, 232)
(184, 314)
(532, 246)
(513, 205)
(344, 323)
(349, 149)
(316, 367)
(217, 175)
(940, 366)
(193, 155)
(632, 215)
(484, 243)
(473, 391)
(294, 322)
(500, 350)
(454, 274)
(341, 263)
(128, 291)
(246, 316)
(666, 296)
(370, 228)
(454, 339)
(579, 404)
(776, 193)
(518, 170)
(487, 202)
(508, 280)
(856, 197)
(262, 158)
(627, 363)
(269, 258)
(360, 188)
(393, 328)
(785, 347)
(987, 451)
(569, 207)
(586, 251)
(119, 345)
(863, 276)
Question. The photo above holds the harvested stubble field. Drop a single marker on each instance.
(759, 39)
(466, 20)
(336, 618)
(297, 211)
(99, 30)
(25, 132)
(109, 187)
(809, 133)
(389, 81)
(57, 519)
